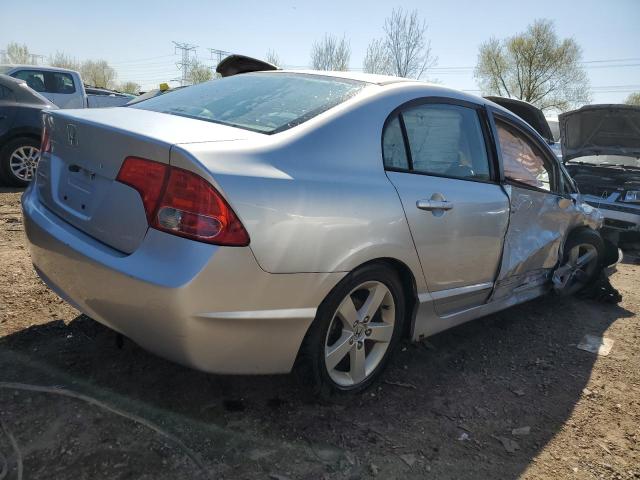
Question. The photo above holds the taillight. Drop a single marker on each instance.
(148, 178)
(180, 202)
(45, 141)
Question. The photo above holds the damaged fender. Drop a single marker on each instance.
(539, 224)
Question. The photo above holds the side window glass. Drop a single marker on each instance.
(522, 160)
(34, 79)
(59, 82)
(447, 140)
(393, 151)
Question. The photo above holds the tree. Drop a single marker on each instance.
(19, 54)
(534, 66)
(129, 87)
(331, 53)
(377, 58)
(63, 61)
(98, 73)
(273, 58)
(408, 48)
(633, 99)
(199, 72)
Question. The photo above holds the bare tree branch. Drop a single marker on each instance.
(273, 58)
(406, 44)
(331, 53)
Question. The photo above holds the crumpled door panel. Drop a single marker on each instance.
(538, 226)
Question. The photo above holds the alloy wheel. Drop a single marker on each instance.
(359, 333)
(24, 161)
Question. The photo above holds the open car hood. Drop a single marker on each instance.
(600, 130)
(234, 64)
(529, 113)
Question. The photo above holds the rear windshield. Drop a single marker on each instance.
(261, 102)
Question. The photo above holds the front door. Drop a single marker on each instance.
(436, 157)
(540, 212)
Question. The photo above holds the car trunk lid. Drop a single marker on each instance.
(77, 179)
(529, 113)
(600, 130)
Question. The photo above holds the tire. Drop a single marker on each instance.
(21, 148)
(583, 241)
(366, 343)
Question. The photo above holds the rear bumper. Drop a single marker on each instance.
(207, 307)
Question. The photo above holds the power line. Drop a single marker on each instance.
(143, 59)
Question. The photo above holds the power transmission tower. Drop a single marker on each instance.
(218, 55)
(185, 62)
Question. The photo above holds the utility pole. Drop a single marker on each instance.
(185, 62)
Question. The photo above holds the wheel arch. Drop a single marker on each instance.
(19, 133)
(408, 280)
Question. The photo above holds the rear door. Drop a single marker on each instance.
(7, 110)
(437, 156)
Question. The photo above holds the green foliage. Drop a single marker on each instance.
(98, 73)
(129, 87)
(633, 99)
(535, 66)
(199, 72)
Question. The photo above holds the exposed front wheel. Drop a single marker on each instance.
(582, 261)
(19, 160)
(356, 329)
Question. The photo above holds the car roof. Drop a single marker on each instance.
(22, 93)
(36, 67)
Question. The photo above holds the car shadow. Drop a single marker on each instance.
(443, 404)
(4, 189)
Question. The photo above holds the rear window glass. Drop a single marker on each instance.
(261, 102)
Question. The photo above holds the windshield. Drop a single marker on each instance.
(608, 160)
(5, 68)
(262, 102)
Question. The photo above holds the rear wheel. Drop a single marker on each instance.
(356, 329)
(19, 160)
(582, 260)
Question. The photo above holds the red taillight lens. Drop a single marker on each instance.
(148, 178)
(45, 141)
(180, 202)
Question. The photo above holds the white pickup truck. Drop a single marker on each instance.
(64, 87)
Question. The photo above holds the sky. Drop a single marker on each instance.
(136, 36)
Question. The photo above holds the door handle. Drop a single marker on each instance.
(432, 205)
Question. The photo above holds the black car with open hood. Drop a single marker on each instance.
(601, 150)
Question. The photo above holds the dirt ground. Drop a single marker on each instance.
(507, 396)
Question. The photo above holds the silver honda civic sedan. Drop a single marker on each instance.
(271, 221)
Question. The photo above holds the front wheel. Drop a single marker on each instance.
(355, 330)
(582, 260)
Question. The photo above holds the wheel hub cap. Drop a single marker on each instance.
(23, 162)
